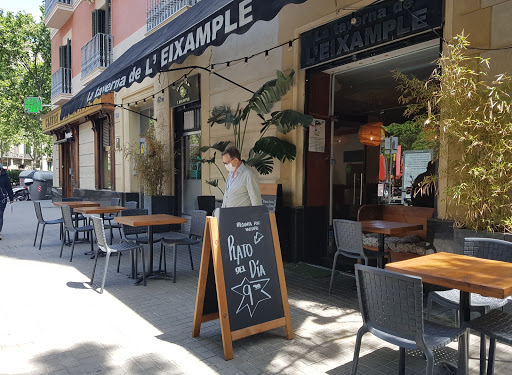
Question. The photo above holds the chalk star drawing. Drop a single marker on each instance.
(257, 237)
(252, 292)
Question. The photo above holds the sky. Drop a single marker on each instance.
(29, 6)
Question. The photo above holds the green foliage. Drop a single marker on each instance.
(25, 70)
(410, 135)
(266, 148)
(470, 112)
(14, 176)
(150, 165)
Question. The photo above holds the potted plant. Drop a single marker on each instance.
(149, 167)
(266, 148)
(461, 106)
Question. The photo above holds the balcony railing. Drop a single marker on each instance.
(157, 11)
(97, 53)
(49, 4)
(61, 82)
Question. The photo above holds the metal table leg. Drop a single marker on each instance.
(380, 263)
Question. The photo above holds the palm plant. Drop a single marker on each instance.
(266, 148)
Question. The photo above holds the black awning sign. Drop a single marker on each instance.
(185, 91)
(369, 27)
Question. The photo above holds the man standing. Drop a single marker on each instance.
(242, 187)
(5, 193)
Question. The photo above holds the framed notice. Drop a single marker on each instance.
(317, 136)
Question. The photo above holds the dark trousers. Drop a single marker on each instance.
(3, 204)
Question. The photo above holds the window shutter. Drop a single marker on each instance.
(98, 22)
(106, 133)
(62, 56)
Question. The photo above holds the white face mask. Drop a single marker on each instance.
(230, 167)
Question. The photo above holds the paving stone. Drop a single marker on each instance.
(60, 325)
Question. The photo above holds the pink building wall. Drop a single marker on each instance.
(128, 16)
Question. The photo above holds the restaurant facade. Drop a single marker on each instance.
(214, 53)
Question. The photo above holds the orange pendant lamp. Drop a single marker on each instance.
(371, 134)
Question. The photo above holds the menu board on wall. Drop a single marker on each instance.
(317, 136)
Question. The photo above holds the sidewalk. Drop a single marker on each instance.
(52, 322)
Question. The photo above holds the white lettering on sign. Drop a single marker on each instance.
(225, 23)
(239, 252)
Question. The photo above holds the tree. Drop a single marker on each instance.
(25, 70)
(266, 148)
(461, 106)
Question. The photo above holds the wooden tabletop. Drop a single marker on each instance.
(146, 220)
(100, 209)
(388, 227)
(74, 204)
(490, 278)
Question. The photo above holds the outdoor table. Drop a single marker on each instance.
(150, 221)
(382, 227)
(489, 278)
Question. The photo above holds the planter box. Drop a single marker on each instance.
(164, 204)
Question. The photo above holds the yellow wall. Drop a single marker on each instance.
(487, 24)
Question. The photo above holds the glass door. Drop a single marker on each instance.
(191, 170)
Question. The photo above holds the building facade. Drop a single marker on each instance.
(117, 66)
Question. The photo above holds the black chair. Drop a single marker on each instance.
(99, 231)
(348, 235)
(206, 203)
(392, 308)
(40, 220)
(498, 326)
(486, 248)
(190, 235)
(72, 231)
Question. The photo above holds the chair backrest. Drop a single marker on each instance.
(488, 248)
(115, 201)
(39, 213)
(67, 218)
(72, 199)
(99, 232)
(390, 303)
(197, 223)
(348, 235)
(128, 230)
(131, 204)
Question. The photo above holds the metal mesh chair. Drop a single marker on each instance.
(99, 231)
(486, 248)
(69, 228)
(348, 235)
(74, 215)
(40, 220)
(195, 236)
(498, 326)
(392, 308)
(131, 204)
(109, 218)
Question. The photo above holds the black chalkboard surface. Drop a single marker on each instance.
(241, 280)
(249, 264)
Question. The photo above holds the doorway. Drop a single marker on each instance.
(365, 92)
(68, 172)
(187, 157)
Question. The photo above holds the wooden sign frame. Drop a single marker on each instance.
(211, 248)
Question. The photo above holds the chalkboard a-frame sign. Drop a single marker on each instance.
(241, 281)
